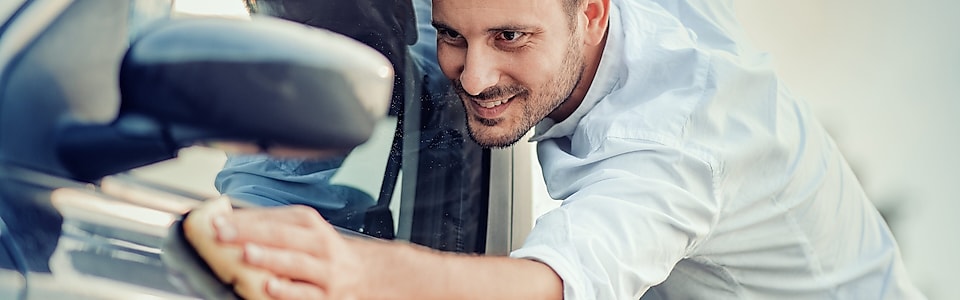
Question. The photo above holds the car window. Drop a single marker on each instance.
(419, 178)
(429, 187)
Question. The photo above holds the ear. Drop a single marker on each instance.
(596, 14)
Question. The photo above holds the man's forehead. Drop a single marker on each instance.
(504, 5)
(493, 14)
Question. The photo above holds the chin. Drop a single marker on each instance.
(493, 136)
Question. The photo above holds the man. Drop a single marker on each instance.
(687, 171)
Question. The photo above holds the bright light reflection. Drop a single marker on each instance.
(211, 7)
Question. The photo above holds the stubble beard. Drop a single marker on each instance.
(557, 91)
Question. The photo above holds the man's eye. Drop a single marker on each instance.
(510, 35)
(448, 34)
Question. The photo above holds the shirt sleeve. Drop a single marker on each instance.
(631, 211)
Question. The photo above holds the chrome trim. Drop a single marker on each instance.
(522, 204)
(499, 207)
(510, 210)
(410, 166)
(128, 189)
(88, 206)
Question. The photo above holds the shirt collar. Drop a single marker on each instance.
(603, 82)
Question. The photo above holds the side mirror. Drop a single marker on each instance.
(265, 81)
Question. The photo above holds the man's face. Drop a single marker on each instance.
(511, 62)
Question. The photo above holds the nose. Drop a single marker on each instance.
(479, 71)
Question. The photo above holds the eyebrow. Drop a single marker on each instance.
(508, 27)
(440, 25)
(512, 27)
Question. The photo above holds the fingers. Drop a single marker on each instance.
(294, 245)
(289, 264)
(291, 290)
(250, 284)
(281, 236)
(279, 289)
(298, 215)
(294, 228)
(296, 275)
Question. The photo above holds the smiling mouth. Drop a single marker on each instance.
(492, 104)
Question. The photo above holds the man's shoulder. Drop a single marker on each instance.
(624, 115)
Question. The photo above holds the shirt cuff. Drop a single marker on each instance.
(553, 248)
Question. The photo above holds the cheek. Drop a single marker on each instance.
(534, 72)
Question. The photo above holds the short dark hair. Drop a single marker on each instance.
(251, 5)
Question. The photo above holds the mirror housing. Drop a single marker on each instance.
(263, 81)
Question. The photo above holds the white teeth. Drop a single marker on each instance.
(492, 104)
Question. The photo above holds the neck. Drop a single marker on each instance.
(592, 54)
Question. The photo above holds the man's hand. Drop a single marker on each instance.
(306, 254)
(308, 259)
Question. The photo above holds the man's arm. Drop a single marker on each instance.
(312, 261)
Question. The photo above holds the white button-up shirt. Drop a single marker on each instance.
(690, 172)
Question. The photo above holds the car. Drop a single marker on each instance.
(90, 90)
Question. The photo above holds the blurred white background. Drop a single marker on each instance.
(883, 77)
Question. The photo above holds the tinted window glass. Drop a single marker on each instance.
(420, 178)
